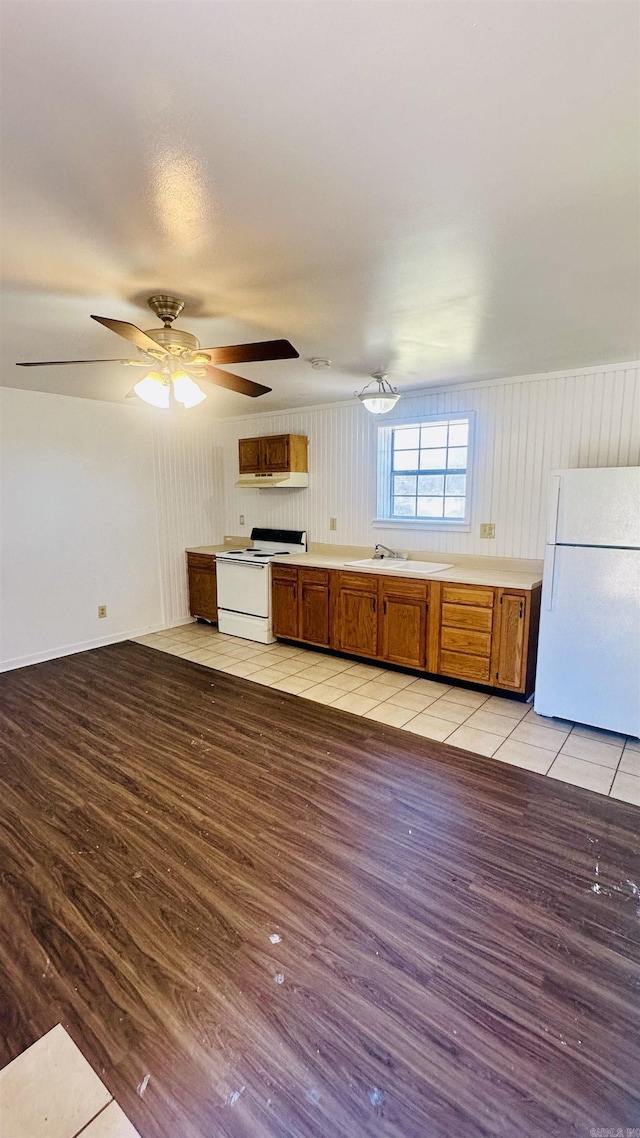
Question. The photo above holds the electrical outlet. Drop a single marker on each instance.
(102, 611)
(241, 519)
(487, 529)
(333, 523)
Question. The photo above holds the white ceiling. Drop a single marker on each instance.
(446, 189)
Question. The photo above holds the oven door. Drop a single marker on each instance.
(244, 586)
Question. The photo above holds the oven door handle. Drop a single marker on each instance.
(244, 564)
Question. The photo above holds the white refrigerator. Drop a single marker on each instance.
(589, 650)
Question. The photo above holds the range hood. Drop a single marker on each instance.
(273, 481)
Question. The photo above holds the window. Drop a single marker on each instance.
(423, 471)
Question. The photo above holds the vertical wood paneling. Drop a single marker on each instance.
(188, 466)
(524, 429)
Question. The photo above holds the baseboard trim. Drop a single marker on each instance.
(86, 646)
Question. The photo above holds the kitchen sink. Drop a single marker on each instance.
(423, 568)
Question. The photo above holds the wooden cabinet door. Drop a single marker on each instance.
(313, 612)
(403, 622)
(249, 456)
(203, 601)
(511, 640)
(275, 450)
(284, 601)
(355, 617)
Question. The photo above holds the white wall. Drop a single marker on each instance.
(98, 502)
(525, 427)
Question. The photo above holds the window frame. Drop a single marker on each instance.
(384, 518)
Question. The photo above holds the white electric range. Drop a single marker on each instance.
(244, 582)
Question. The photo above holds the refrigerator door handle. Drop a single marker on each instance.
(554, 509)
(548, 578)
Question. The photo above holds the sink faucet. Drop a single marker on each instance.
(378, 554)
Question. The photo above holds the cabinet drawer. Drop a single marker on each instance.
(467, 616)
(468, 595)
(284, 572)
(403, 587)
(363, 582)
(201, 561)
(310, 576)
(465, 667)
(465, 640)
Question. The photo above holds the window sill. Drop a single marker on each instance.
(419, 523)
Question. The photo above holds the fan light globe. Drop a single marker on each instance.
(186, 390)
(380, 401)
(154, 390)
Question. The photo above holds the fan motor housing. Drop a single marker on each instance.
(174, 339)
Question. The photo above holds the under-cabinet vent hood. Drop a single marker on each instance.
(271, 481)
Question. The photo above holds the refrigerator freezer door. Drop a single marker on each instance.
(595, 507)
(589, 650)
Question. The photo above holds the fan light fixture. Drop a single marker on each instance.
(155, 389)
(380, 401)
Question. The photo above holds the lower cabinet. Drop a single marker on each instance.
(466, 631)
(284, 601)
(403, 622)
(512, 636)
(313, 606)
(203, 598)
(355, 614)
(474, 633)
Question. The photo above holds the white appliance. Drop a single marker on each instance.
(589, 650)
(244, 582)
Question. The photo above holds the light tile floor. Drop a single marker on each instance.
(51, 1091)
(504, 729)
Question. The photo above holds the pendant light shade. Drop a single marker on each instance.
(155, 389)
(185, 390)
(378, 401)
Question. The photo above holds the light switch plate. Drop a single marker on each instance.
(487, 529)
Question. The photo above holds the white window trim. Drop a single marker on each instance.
(384, 475)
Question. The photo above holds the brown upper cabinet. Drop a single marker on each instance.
(203, 600)
(273, 454)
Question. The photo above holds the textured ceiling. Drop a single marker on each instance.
(448, 190)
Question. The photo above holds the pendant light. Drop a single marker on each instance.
(379, 401)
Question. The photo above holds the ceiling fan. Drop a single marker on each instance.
(173, 359)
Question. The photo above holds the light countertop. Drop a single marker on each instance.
(463, 575)
(499, 573)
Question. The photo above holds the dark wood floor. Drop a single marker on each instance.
(451, 962)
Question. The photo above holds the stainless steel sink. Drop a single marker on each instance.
(422, 568)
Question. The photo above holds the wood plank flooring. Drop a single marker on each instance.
(459, 947)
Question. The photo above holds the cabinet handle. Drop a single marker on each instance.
(384, 607)
(521, 609)
(295, 592)
(373, 601)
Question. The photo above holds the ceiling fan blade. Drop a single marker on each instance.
(233, 382)
(131, 333)
(252, 353)
(59, 363)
